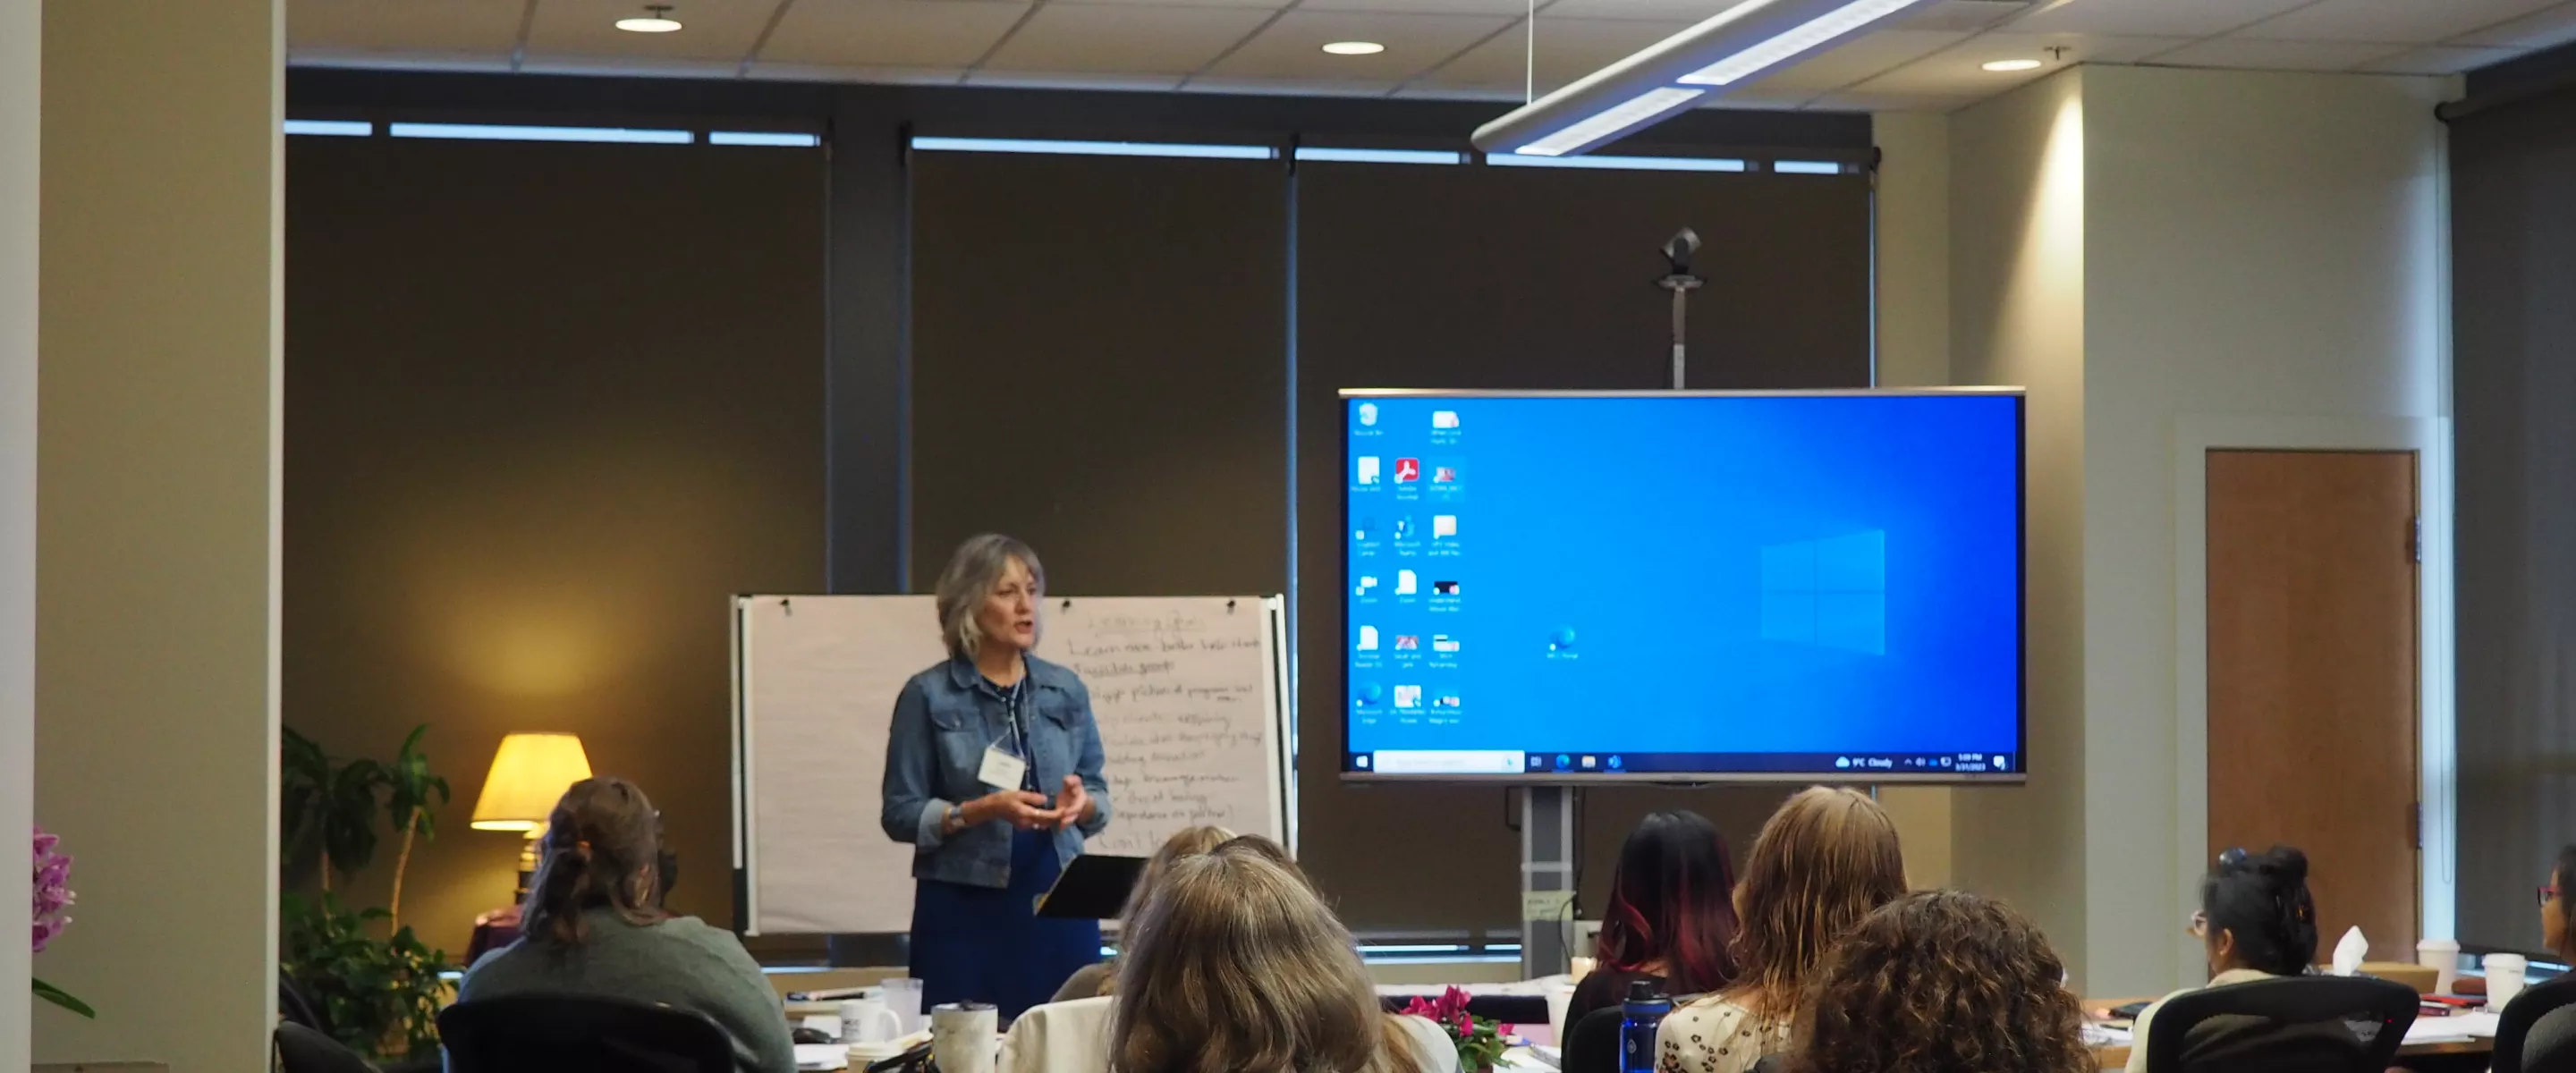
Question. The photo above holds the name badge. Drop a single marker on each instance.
(1001, 770)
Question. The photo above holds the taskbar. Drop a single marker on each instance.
(1651, 765)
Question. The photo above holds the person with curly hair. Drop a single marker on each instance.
(1941, 981)
(1821, 863)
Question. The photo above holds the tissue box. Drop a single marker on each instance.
(2422, 978)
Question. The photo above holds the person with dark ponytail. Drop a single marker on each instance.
(1671, 917)
(2256, 921)
(593, 925)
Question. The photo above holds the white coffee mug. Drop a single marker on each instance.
(965, 1037)
(2504, 978)
(2443, 957)
(903, 996)
(867, 1020)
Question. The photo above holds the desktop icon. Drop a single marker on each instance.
(1445, 700)
(1444, 588)
(1404, 583)
(1368, 639)
(1370, 694)
(1561, 640)
(1408, 642)
(1407, 470)
(1444, 419)
(1361, 529)
(1441, 642)
(1368, 469)
(1444, 526)
(1587, 763)
(1408, 696)
(1368, 584)
(1444, 475)
(1563, 761)
(1404, 527)
(1368, 413)
(1615, 764)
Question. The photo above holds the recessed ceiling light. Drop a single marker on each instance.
(2012, 65)
(657, 20)
(1354, 48)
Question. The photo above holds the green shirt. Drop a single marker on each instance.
(679, 962)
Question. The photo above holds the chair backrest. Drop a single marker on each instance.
(2299, 1024)
(580, 1034)
(304, 1049)
(2515, 1050)
(1592, 1044)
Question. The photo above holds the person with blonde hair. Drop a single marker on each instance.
(1095, 980)
(1233, 963)
(1821, 864)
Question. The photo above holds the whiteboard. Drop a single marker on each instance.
(1189, 694)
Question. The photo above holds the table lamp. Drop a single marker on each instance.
(530, 772)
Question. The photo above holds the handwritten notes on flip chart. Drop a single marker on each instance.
(1184, 691)
(1182, 699)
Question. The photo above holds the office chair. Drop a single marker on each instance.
(303, 1049)
(580, 1034)
(1592, 1044)
(2298, 1024)
(2516, 1051)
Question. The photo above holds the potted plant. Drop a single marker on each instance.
(1480, 1040)
(373, 983)
(53, 895)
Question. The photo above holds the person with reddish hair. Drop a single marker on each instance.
(1671, 917)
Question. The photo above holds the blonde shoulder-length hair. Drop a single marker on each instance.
(973, 571)
(1233, 965)
(1820, 865)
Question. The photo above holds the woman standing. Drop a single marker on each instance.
(978, 745)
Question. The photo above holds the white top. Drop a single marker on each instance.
(2138, 1028)
(1714, 1035)
(1073, 1037)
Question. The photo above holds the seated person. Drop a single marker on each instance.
(1941, 982)
(2553, 1037)
(1233, 963)
(2256, 922)
(1671, 920)
(1101, 978)
(1821, 863)
(592, 926)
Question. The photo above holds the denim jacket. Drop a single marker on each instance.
(943, 720)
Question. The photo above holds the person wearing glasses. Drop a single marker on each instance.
(993, 775)
(2554, 932)
(2256, 921)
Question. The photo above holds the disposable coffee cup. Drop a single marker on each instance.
(2443, 957)
(2504, 978)
(965, 1037)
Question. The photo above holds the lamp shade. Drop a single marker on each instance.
(529, 774)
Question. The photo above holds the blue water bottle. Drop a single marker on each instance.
(1643, 1013)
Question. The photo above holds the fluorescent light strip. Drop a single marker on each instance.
(498, 133)
(763, 137)
(1806, 167)
(1814, 32)
(1033, 145)
(1617, 163)
(331, 128)
(1379, 156)
(1611, 121)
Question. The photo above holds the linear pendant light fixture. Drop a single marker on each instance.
(1679, 72)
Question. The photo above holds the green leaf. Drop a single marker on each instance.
(62, 998)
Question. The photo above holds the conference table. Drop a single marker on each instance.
(2430, 1055)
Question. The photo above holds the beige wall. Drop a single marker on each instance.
(2017, 317)
(20, 57)
(157, 507)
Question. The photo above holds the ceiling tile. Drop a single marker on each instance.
(2546, 29)
(1959, 71)
(2150, 18)
(1130, 40)
(453, 26)
(1888, 102)
(898, 76)
(1293, 47)
(890, 33)
(2403, 22)
(2439, 60)
(1859, 59)
(1682, 11)
(2251, 54)
(1568, 49)
(715, 29)
(1514, 9)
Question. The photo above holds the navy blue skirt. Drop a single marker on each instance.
(978, 944)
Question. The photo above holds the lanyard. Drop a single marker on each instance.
(1014, 704)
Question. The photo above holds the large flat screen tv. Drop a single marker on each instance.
(1682, 586)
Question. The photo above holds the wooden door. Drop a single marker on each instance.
(2312, 677)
